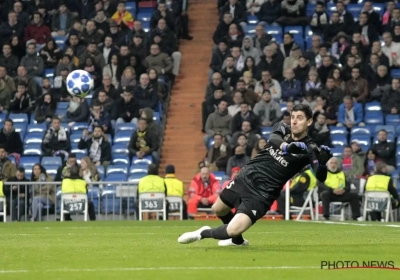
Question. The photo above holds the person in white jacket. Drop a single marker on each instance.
(253, 6)
(391, 50)
(267, 83)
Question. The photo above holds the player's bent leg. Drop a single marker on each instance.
(239, 224)
(220, 209)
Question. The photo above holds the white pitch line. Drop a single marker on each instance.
(351, 224)
(161, 269)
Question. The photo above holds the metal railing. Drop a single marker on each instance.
(42, 200)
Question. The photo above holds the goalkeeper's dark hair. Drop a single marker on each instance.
(303, 108)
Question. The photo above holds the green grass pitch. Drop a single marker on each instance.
(149, 250)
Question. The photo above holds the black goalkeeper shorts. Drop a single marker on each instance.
(235, 195)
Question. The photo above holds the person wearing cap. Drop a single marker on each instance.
(357, 150)
(380, 181)
(175, 187)
(62, 21)
(122, 16)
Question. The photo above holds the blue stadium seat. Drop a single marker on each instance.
(146, 26)
(390, 138)
(79, 156)
(125, 127)
(20, 127)
(147, 159)
(266, 131)
(75, 138)
(354, 10)
(398, 151)
(308, 32)
(19, 118)
(143, 17)
(120, 148)
(111, 204)
(28, 174)
(131, 7)
(389, 128)
(362, 139)
(146, 10)
(49, 72)
(28, 161)
(51, 170)
(373, 118)
(101, 171)
(249, 30)
(392, 120)
(379, 8)
(12, 159)
(331, 7)
(283, 107)
(338, 130)
(274, 31)
(38, 127)
(157, 117)
(337, 151)
(310, 9)
(32, 149)
(117, 169)
(134, 178)
(78, 127)
(116, 177)
(210, 143)
(339, 140)
(373, 107)
(61, 112)
(62, 105)
(33, 138)
(294, 30)
(219, 175)
(94, 196)
(252, 20)
(395, 73)
(120, 159)
(360, 130)
(3, 117)
(138, 168)
(123, 137)
(51, 161)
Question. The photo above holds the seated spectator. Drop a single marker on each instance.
(260, 144)
(250, 66)
(248, 49)
(51, 54)
(144, 95)
(93, 52)
(66, 62)
(88, 171)
(312, 53)
(77, 111)
(144, 143)
(162, 13)
(357, 87)
(239, 159)
(245, 114)
(379, 83)
(203, 191)
(8, 168)
(9, 62)
(238, 59)
(313, 84)
(128, 78)
(288, 45)
(253, 6)
(139, 47)
(43, 195)
(62, 21)
(309, 100)
(160, 61)
(100, 17)
(11, 139)
(391, 99)
(291, 88)
(370, 161)
(267, 83)
(357, 150)
(390, 17)
(237, 101)
(219, 121)
(242, 142)
(229, 72)
(292, 61)
(222, 28)
(17, 47)
(91, 33)
(351, 164)
(123, 17)
(106, 102)
(267, 110)
(90, 66)
(373, 17)
(326, 68)
(18, 195)
(293, 13)
(56, 139)
(112, 70)
(97, 145)
(249, 82)
(45, 109)
(152, 125)
(391, 50)
(126, 108)
(218, 154)
(340, 42)
(99, 117)
(32, 62)
(246, 130)
(319, 131)
(62, 171)
(337, 188)
(319, 19)
(10, 28)
(332, 94)
(21, 103)
(249, 95)
(37, 32)
(269, 12)
(60, 87)
(380, 181)
(236, 9)
(218, 57)
(350, 113)
(217, 83)
(385, 151)
(337, 77)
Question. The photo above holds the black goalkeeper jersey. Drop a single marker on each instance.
(266, 174)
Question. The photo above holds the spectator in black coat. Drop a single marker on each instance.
(97, 145)
(239, 13)
(364, 24)
(99, 117)
(218, 56)
(162, 12)
(145, 96)
(269, 12)
(223, 28)
(11, 28)
(319, 131)
(144, 143)
(271, 61)
(18, 195)
(55, 139)
(45, 108)
(11, 139)
(8, 60)
(385, 150)
(245, 115)
(126, 108)
(22, 101)
(345, 17)
(62, 171)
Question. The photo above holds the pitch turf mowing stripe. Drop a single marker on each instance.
(375, 224)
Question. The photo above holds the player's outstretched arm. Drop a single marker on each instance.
(279, 131)
(319, 158)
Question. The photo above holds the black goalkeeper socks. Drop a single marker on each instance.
(216, 233)
(227, 218)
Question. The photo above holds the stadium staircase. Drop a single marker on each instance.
(183, 145)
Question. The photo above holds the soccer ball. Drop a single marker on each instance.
(79, 83)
